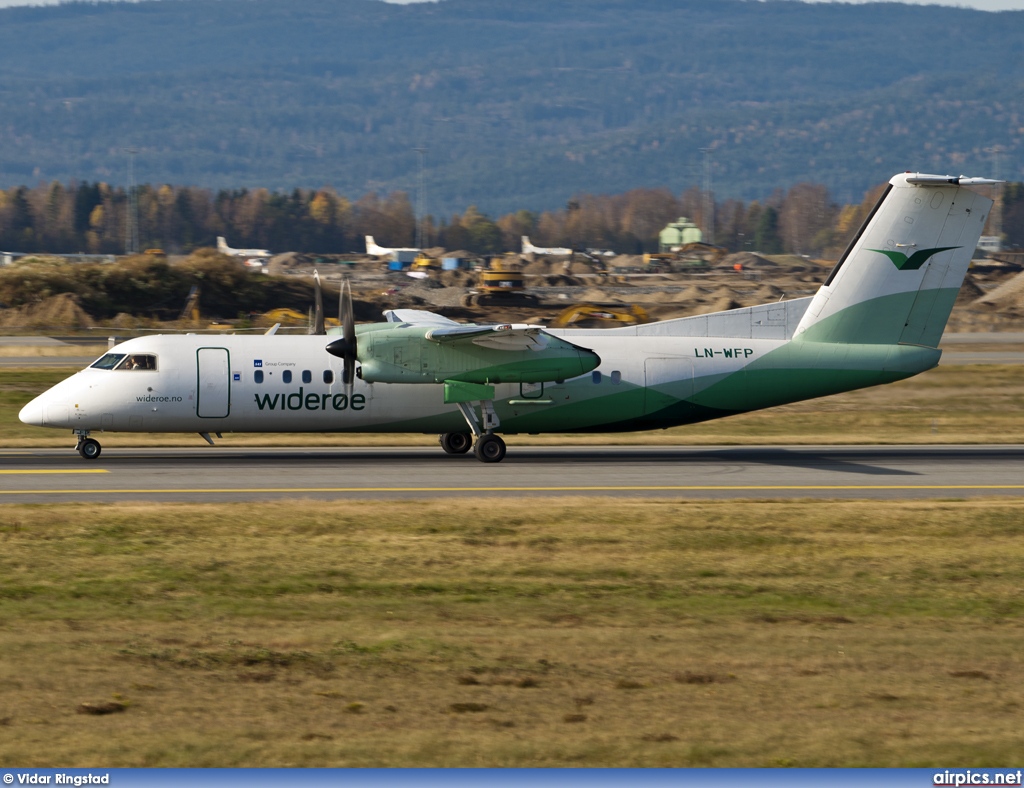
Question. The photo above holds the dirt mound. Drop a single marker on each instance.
(59, 311)
(1009, 296)
(969, 291)
(691, 295)
(748, 260)
(540, 266)
(766, 293)
(579, 267)
(721, 304)
(422, 285)
(457, 278)
(560, 281)
(627, 261)
(594, 295)
(280, 263)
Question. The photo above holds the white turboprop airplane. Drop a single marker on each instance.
(384, 251)
(223, 248)
(878, 318)
(529, 248)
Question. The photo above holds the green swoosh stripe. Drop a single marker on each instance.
(915, 261)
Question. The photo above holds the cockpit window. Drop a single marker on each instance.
(108, 361)
(122, 361)
(138, 361)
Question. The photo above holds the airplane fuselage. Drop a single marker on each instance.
(290, 384)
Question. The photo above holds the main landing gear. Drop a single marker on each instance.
(455, 442)
(88, 447)
(488, 447)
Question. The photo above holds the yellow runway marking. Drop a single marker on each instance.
(84, 470)
(617, 488)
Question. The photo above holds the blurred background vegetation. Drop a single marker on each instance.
(519, 105)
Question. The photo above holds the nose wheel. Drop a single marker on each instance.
(89, 448)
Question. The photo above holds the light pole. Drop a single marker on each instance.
(708, 201)
(421, 201)
(131, 225)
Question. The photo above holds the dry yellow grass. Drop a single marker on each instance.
(52, 351)
(565, 632)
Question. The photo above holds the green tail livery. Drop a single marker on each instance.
(915, 261)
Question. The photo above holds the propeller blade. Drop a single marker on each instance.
(317, 326)
(348, 327)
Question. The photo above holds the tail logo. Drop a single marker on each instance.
(915, 261)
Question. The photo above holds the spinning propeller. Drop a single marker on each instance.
(346, 348)
(317, 326)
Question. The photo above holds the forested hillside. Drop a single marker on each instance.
(519, 104)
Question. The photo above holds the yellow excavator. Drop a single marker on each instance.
(500, 285)
(600, 316)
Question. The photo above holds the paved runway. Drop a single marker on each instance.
(225, 474)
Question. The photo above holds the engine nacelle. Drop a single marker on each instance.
(408, 355)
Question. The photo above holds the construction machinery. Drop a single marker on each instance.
(700, 253)
(696, 253)
(425, 263)
(600, 316)
(500, 285)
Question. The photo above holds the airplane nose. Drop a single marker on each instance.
(32, 414)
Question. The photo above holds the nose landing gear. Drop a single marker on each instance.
(88, 448)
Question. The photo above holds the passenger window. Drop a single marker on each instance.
(595, 376)
(328, 377)
(307, 376)
(258, 375)
(616, 377)
(286, 376)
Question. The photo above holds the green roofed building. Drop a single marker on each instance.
(677, 234)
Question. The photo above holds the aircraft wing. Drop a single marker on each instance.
(418, 317)
(508, 336)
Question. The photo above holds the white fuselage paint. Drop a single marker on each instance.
(207, 384)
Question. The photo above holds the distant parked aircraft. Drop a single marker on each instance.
(529, 248)
(384, 251)
(223, 248)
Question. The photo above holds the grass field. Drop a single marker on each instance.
(955, 404)
(567, 632)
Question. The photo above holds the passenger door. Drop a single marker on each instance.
(213, 397)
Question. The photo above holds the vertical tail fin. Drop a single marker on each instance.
(899, 277)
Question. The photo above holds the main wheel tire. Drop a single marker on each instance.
(489, 448)
(456, 442)
(89, 449)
